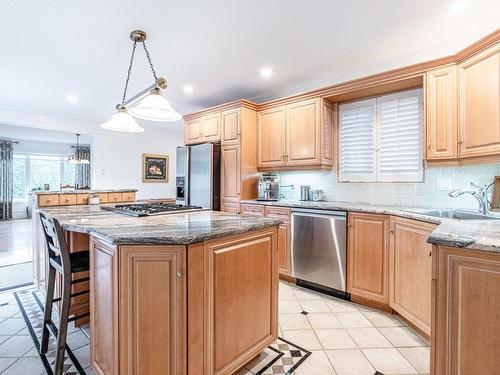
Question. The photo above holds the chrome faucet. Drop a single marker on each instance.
(478, 192)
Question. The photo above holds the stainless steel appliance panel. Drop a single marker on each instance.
(319, 247)
(204, 175)
(182, 174)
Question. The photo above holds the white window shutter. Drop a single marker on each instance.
(399, 134)
(357, 141)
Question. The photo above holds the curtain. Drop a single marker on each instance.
(82, 171)
(6, 180)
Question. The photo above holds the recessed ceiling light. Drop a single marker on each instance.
(188, 89)
(72, 99)
(459, 6)
(266, 72)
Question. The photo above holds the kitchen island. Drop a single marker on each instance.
(187, 293)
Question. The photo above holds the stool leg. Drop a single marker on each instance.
(63, 323)
(47, 315)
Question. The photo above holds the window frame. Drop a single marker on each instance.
(376, 175)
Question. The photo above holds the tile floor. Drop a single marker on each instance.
(344, 338)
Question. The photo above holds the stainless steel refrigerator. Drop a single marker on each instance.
(198, 175)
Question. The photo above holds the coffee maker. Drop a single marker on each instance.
(269, 187)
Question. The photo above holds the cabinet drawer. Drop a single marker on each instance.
(279, 213)
(45, 200)
(103, 197)
(230, 207)
(114, 197)
(82, 198)
(128, 196)
(252, 209)
(67, 199)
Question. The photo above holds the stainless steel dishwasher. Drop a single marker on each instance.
(319, 249)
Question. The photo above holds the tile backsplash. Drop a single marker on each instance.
(424, 194)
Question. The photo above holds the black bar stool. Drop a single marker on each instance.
(66, 263)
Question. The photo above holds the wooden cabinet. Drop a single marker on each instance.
(67, 199)
(48, 200)
(298, 135)
(231, 127)
(126, 327)
(271, 128)
(82, 198)
(479, 104)
(114, 197)
(203, 129)
(303, 133)
(367, 256)
(284, 237)
(230, 173)
(410, 266)
(441, 113)
(466, 325)
(128, 196)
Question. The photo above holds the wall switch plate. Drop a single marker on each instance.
(443, 184)
(103, 172)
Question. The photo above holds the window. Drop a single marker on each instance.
(32, 172)
(381, 138)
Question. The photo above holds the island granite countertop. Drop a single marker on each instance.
(481, 235)
(171, 229)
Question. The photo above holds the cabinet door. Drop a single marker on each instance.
(303, 133)
(441, 112)
(284, 237)
(479, 104)
(466, 328)
(410, 271)
(367, 258)
(271, 137)
(231, 127)
(152, 309)
(193, 131)
(211, 128)
(252, 209)
(230, 173)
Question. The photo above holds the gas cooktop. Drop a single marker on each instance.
(149, 209)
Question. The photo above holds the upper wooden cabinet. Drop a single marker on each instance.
(231, 127)
(441, 113)
(367, 256)
(203, 129)
(271, 130)
(296, 135)
(479, 104)
(410, 271)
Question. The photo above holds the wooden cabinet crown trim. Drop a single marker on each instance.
(407, 72)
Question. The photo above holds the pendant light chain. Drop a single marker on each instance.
(150, 62)
(128, 73)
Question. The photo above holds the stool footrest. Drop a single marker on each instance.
(83, 279)
(76, 317)
(72, 295)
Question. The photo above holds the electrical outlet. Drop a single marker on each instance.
(443, 184)
(103, 172)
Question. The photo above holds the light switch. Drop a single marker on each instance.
(103, 172)
(443, 184)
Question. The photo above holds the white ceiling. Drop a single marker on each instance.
(57, 47)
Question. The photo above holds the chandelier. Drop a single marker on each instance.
(149, 104)
(77, 157)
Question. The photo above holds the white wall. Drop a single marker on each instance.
(402, 194)
(117, 160)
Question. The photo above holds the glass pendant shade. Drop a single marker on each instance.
(154, 107)
(122, 122)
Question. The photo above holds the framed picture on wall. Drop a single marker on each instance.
(154, 168)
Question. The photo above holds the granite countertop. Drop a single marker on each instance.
(471, 234)
(78, 191)
(172, 229)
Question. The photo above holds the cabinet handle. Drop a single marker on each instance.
(459, 142)
(391, 232)
(430, 253)
(429, 146)
(179, 273)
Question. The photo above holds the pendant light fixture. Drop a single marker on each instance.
(149, 104)
(76, 158)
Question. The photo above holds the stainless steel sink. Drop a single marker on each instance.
(454, 214)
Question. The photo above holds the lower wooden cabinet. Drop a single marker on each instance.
(410, 266)
(252, 209)
(367, 256)
(233, 208)
(466, 319)
(284, 237)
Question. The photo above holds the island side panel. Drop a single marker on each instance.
(240, 282)
(103, 307)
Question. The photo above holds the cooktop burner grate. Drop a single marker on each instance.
(148, 209)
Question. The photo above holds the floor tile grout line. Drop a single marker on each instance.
(409, 360)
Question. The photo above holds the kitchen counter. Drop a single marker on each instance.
(83, 191)
(481, 235)
(179, 229)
